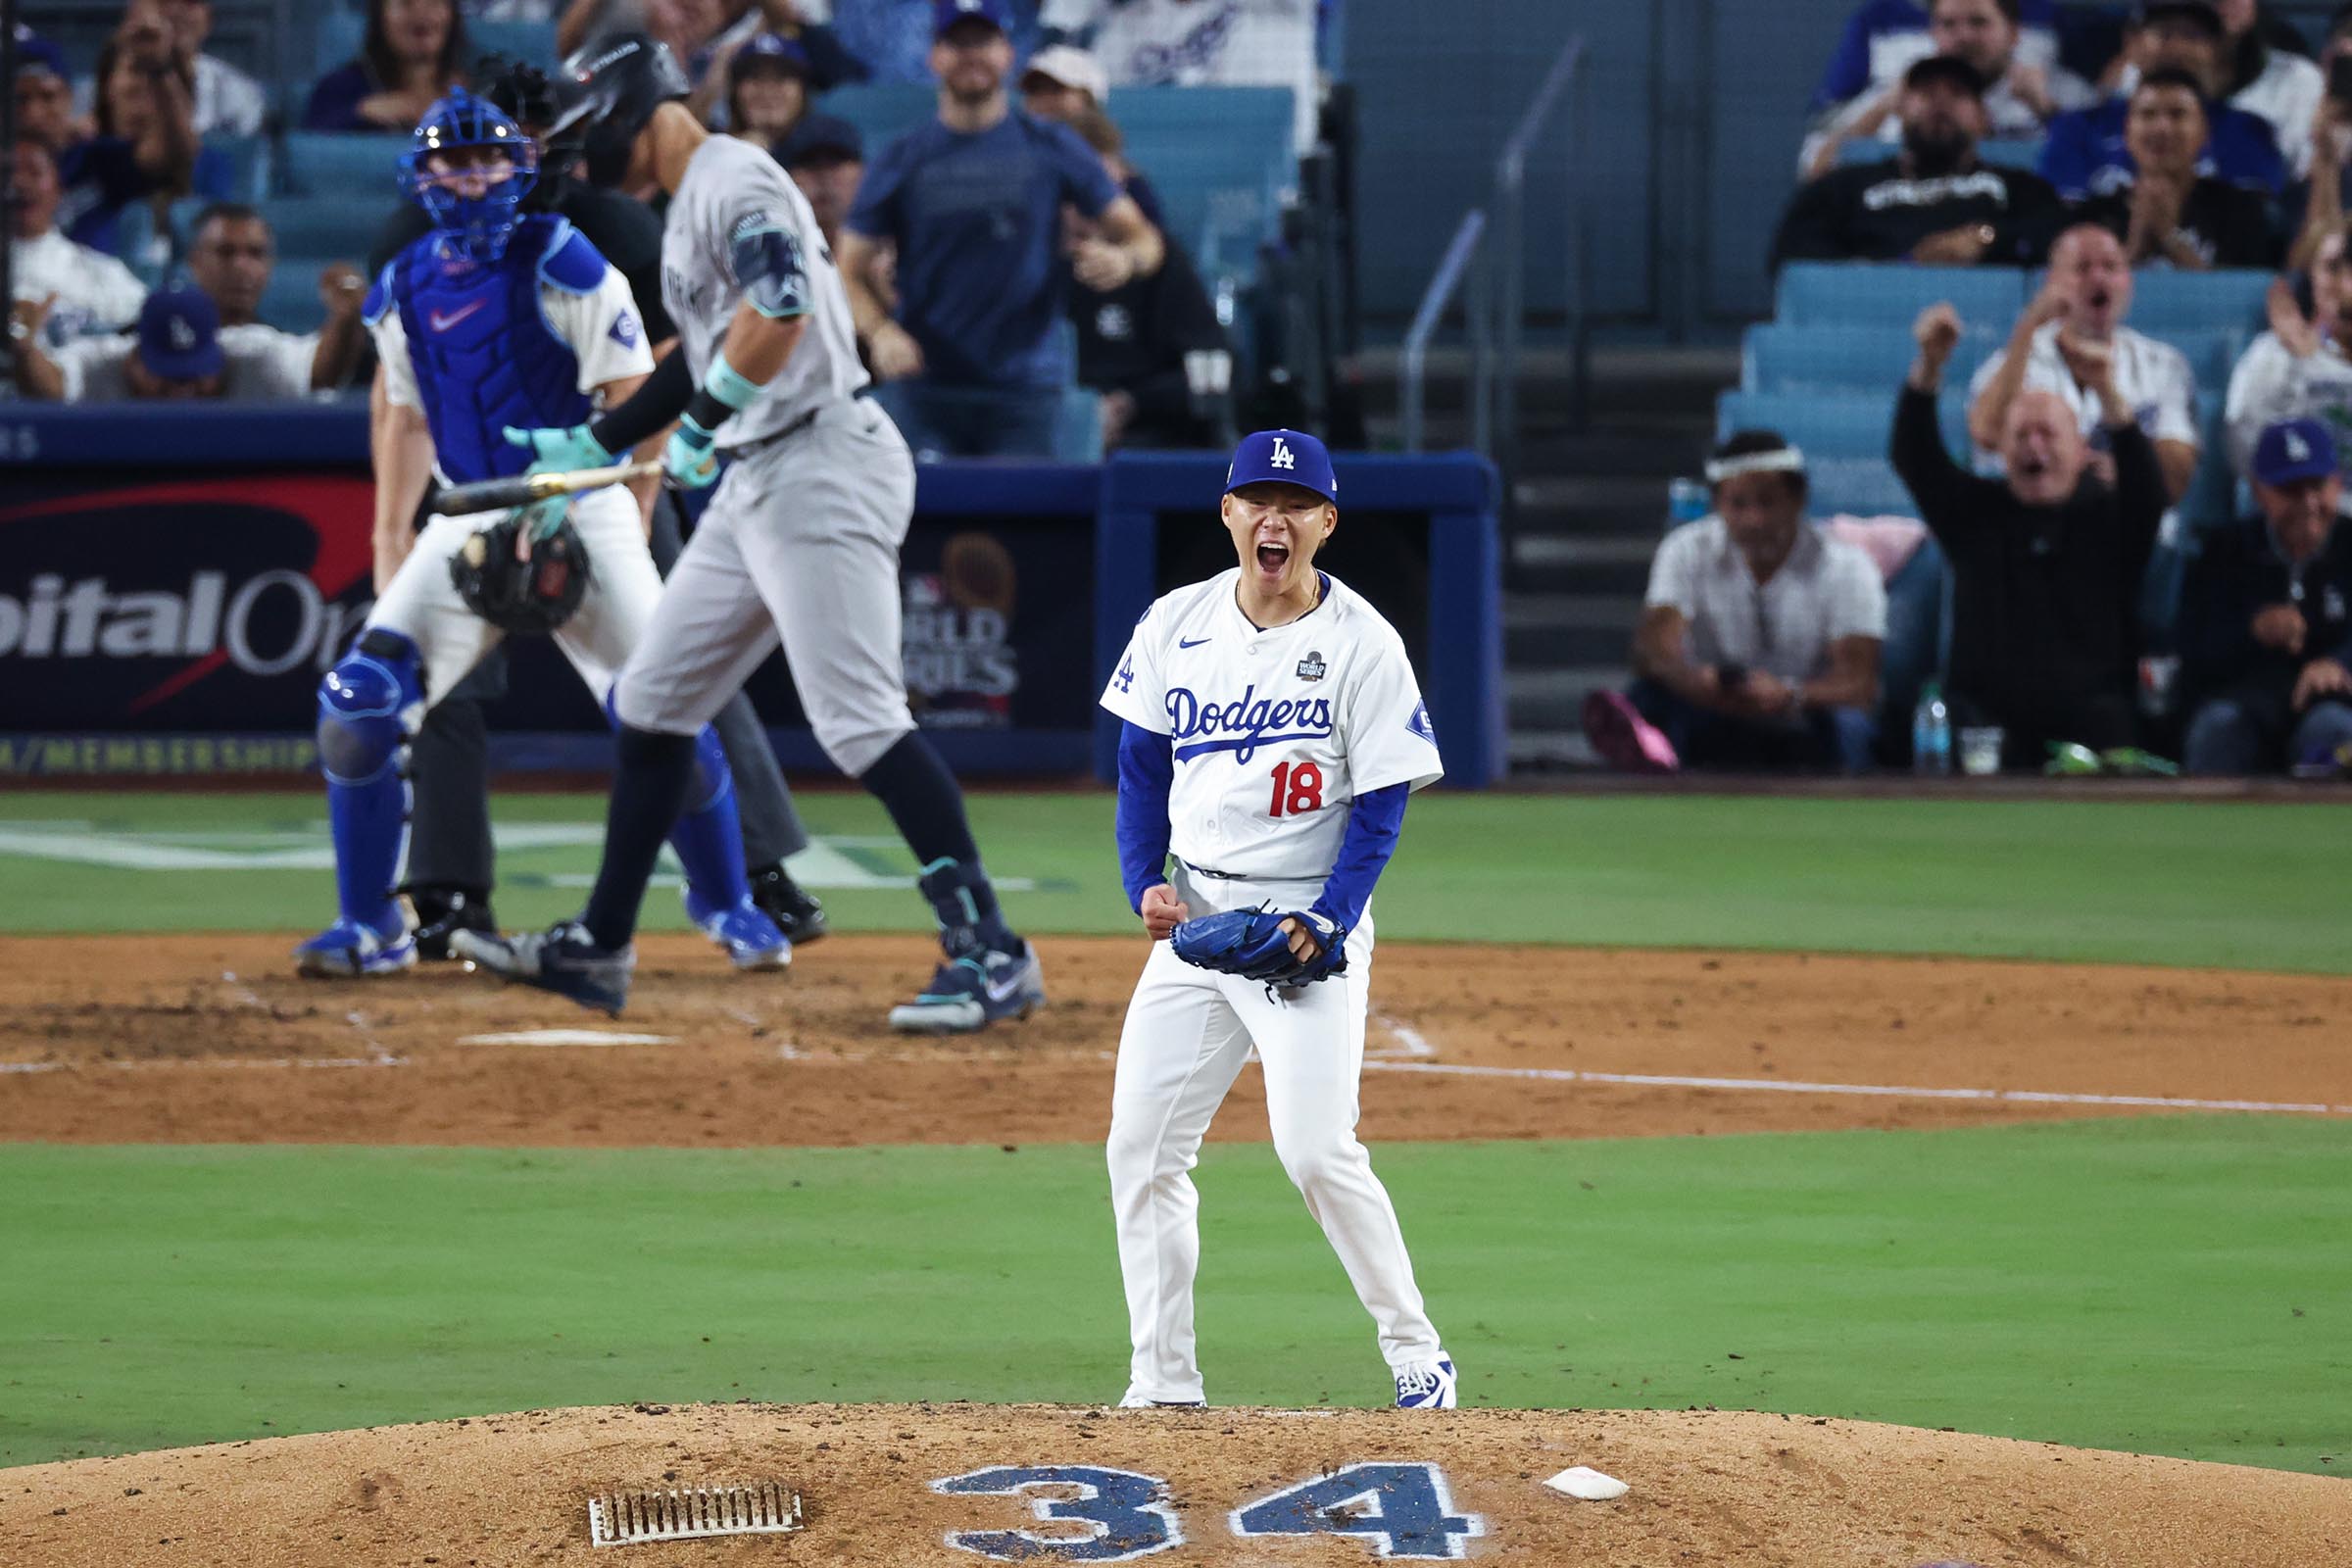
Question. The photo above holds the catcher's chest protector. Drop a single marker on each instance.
(484, 354)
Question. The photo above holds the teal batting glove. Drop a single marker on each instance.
(560, 451)
(541, 518)
(688, 459)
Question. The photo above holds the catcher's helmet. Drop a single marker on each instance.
(469, 168)
(615, 87)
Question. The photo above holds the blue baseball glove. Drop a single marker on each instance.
(1252, 943)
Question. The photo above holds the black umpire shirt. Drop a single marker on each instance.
(2237, 572)
(2044, 630)
(1879, 213)
(623, 230)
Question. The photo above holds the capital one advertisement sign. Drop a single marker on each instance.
(180, 626)
(208, 605)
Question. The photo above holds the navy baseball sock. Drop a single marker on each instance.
(648, 792)
(922, 798)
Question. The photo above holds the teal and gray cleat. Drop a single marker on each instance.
(973, 990)
(563, 958)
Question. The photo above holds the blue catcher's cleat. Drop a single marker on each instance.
(563, 958)
(349, 949)
(1426, 1386)
(974, 989)
(749, 937)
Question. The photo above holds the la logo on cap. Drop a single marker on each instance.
(2298, 450)
(184, 336)
(1282, 458)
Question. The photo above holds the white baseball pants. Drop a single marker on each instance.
(1186, 1035)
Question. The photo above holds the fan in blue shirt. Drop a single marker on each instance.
(2085, 156)
(973, 360)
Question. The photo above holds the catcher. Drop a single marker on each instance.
(1273, 732)
(495, 318)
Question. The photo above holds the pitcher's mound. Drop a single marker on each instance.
(900, 1485)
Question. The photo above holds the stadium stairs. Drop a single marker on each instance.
(1590, 506)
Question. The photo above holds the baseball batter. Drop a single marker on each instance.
(800, 540)
(492, 317)
(1273, 730)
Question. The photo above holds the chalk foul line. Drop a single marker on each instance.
(2028, 1097)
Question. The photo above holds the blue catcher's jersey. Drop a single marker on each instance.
(484, 354)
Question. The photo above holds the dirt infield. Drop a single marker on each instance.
(1469, 1042)
(1203, 1486)
(212, 1039)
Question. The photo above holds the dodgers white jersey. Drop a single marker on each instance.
(732, 196)
(1275, 731)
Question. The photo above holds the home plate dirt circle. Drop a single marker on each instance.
(969, 1484)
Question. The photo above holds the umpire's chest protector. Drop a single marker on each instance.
(484, 353)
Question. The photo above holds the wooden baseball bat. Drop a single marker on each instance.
(492, 495)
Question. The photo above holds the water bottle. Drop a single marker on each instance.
(1932, 734)
(1687, 501)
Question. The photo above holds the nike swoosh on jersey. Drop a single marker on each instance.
(443, 321)
(1193, 642)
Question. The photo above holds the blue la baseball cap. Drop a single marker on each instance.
(820, 135)
(1283, 457)
(944, 14)
(2295, 450)
(771, 47)
(179, 335)
(36, 55)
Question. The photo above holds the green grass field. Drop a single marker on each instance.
(2171, 1285)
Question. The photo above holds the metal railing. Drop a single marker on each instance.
(1510, 206)
(1498, 326)
(1461, 259)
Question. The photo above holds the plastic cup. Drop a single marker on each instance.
(1980, 750)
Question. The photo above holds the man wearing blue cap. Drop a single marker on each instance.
(1271, 730)
(178, 352)
(768, 88)
(972, 362)
(2266, 619)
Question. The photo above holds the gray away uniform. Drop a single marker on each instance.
(802, 538)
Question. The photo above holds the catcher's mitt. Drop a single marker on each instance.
(1252, 943)
(535, 594)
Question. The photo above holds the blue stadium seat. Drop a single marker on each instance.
(339, 30)
(2000, 153)
(1850, 425)
(2212, 500)
(1078, 426)
(2165, 302)
(882, 112)
(1781, 358)
(1859, 293)
(250, 159)
(1863, 486)
(292, 300)
(354, 170)
(327, 227)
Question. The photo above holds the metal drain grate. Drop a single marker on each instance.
(631, 1518)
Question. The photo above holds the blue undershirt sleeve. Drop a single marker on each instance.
(1147, 773)
(1373, 822)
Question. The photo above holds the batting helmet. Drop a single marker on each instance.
(471, 197)
(615, 89)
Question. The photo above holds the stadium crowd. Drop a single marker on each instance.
(142, 247)
(2101, 609)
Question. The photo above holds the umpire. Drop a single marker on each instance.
(451, 862)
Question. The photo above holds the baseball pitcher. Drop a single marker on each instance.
(1273, 732)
